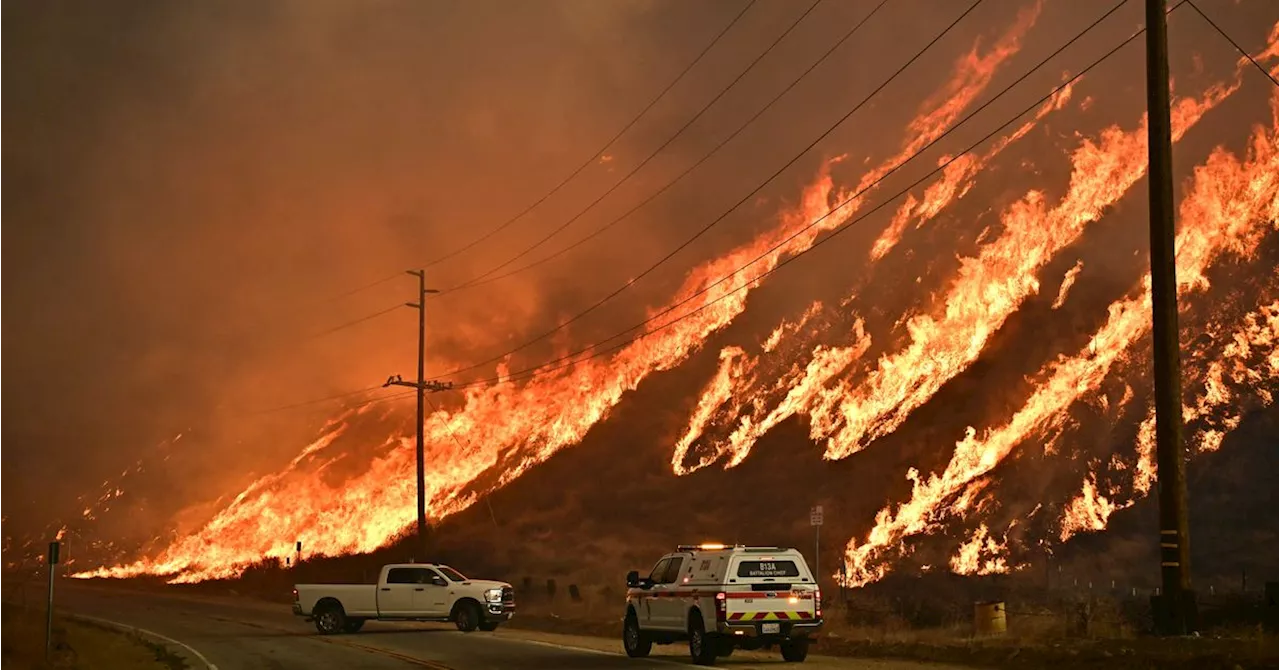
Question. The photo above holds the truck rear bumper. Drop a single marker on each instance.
(786, 630)
(297, 609)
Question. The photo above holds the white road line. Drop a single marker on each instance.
(589, 650)
(142, 631)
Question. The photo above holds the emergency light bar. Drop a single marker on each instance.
(716, 546)
(705, 546)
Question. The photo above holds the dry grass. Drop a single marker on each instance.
(76, 645)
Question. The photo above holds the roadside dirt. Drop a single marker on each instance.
(76, 645)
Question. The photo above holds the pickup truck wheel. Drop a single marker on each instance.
(702, 647)
(467, 617)
(353, 625)
(637, 644)
(488, 626)
(795, 651)
(331, 620)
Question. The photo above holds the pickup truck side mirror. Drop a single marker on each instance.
(633, 579)
(438, 580)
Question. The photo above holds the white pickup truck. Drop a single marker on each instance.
(407, 592)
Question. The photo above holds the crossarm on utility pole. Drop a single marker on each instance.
(432, 386)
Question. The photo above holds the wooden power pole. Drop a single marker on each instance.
(1176, 603)
(422, 385)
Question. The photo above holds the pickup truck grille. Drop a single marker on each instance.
(508, 598)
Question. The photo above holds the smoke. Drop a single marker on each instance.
(194, 184)
(188, 185)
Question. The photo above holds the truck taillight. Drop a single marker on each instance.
(817, 603)
(721, 607)
(295, 595)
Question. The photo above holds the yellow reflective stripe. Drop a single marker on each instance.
(769, 616)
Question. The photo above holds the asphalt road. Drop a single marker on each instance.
(242, 633)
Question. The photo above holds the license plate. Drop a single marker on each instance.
(770, 627)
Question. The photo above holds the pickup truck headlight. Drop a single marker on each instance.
(493, 595)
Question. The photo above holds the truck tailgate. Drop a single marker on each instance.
(796, 604)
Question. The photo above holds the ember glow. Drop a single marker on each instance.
(827, 363)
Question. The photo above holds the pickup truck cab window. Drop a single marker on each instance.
(409, 576)
(673, 571)
(452, 574)
(659, 571)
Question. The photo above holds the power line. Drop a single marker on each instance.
(315, 401)
(479, 281)
(359, 289)
(570, 359)
(340, 396)
(1227, 37)
(726, 213)
(592, 158)
(650, 157)
(354, 322)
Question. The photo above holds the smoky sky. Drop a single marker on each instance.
(190, 185)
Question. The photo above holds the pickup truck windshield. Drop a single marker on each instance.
(452, 574)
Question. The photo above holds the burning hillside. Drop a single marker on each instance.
(990, 274)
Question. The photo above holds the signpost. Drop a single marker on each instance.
(48, 623)
(815, 520)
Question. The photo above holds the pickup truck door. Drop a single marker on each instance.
(649, 609)
(432, 600)
(396, 595)
(668, 608)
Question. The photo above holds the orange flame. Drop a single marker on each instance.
(956, 180)
(971, 74)
(982, 554)
(509, 428)
(1230, 206)
(989, 288)
(1218, 404)
(1087, 512)
(1068, 280)
(993, 285)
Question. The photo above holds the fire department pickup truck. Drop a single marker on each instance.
(406, 592)
(722, 598)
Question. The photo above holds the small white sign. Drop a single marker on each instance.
(815, 515)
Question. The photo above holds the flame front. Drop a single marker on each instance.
(1230, 206)
(990, 287)
(501, 431)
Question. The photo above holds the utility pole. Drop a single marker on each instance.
(1177, 603)
(52, 564)
(422, 385)
(815, 520)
